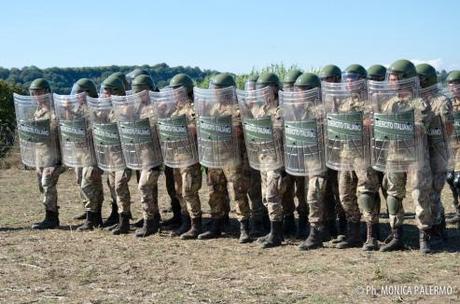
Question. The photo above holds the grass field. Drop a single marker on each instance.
(65, 266)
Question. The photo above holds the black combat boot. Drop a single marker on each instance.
(275, 237)
(289, 228)
(244, 232)
(80, 216)
(257, 227)
(394, 240)
(150, 227)
(302, 227)
(123, 224)
(176, 220)
(194, 231)
(313, 241)
(353, 237)
(51, 221)
(331, 229)
(184, 226)
(214, 231)
(93, 220)
(425, 242)
(113, 217)
(372, 237)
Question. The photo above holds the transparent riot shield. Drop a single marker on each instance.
(440, 130)
(453, 91)
(262, 128)
(303, 113)
(74, 132)
(176, 127)
(346, 136)
(135, 116)
(218, 127)
(37, 129)
(396, 138)
(106, 139)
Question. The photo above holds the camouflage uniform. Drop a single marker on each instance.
(188, 180)
(295, 187)
(232, 178)
(419, 174)
(47, 177)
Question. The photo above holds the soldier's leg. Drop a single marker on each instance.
(316, 193)
(78, 179)
(185, 217)
(191, 184)
(122, 178)
(237, 185)
(396, 190)
(112, 220)
(348, 182)
(437, 210)
(453, 180)
(330, 202)
(258, 210)
(93, 193)
(48, 180)
(368, 187)
(301, 188)
(289, 228)
(148, 189)
(272, 191)
(217, 186)
(175, 204)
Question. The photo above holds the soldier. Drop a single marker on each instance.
(109, 151)
(77, 149)
(221, 150)
(295, 185)
(262, 131)
(453, 178)
(134, 73)
(400, 149)
(139, 139)
(332, 73)
(178, 140)
(39, 145)
(439, 133)
(250, 83)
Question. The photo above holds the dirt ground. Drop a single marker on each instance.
(65, 266)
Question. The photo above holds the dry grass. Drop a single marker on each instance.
(63, 266)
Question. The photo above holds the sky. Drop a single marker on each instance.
(233, 36)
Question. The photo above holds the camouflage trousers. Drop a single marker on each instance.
(332, 206)
(352, 184)
(148, 189)
(236, 184)
(421, 181)
(272, 191)
(187, 184)
(47, 179)
(119, 189)
(89, 180)
(258, 209)
(295, 187)
(437, 210)
(170, 183)
(316, 193)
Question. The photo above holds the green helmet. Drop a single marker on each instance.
(267, 79)
(376, 72)
(84, 85)
(142, 82)
(136, 72)
(307, 81)
(330, 73)
(427, 75)
(114, 85)
(40, 84)
(403, 68)
(182, 80)
(222, 80)
(291, 77)
(355, 72)
(122, 77)
(453, 77)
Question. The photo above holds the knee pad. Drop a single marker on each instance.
(367, 201)
(394, 204)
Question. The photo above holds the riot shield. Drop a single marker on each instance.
(106, 139)
(453, 91)
(395, 140)
(218, 126)
(74, 132)
(37, 128)
(303, 113)
(440, 130)
(135, 116)
(175, 126)
(262, 128)
(346, 136)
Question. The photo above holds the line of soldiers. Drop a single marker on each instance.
(329, 142)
